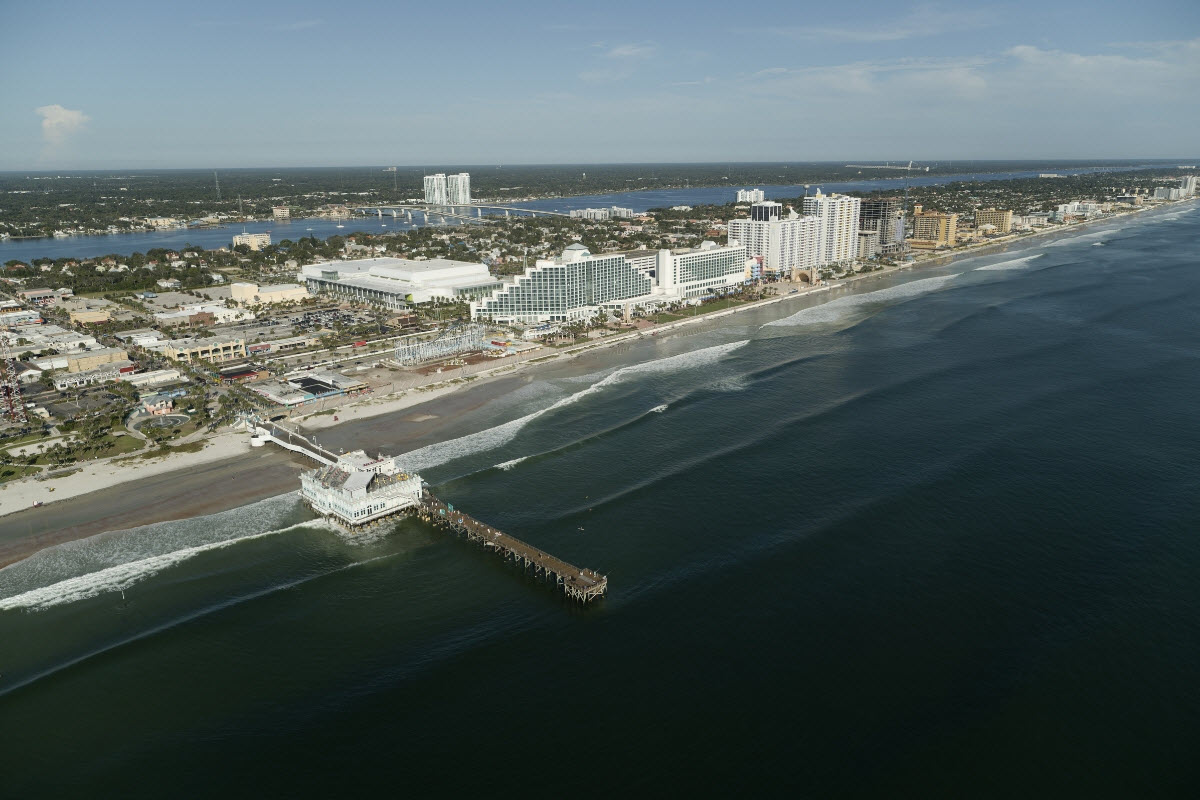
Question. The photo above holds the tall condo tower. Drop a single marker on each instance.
(459, 189)
(435, 190)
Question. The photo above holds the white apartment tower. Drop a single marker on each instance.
(459, 189)
(435, 190)
(783, 243)
(837, 216)
(751, 196)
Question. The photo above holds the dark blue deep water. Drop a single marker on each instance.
(938, 537)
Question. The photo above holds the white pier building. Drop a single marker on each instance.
(357, 489)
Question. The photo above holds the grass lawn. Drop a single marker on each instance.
(11, 472)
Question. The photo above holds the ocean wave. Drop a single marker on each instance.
(659, 409)
(1014, 263)
(507, 465)
(1083, 237)
(114, 548)
(442, 452)
(122, 576)
(837, 310)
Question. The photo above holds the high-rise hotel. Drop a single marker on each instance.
(838, 218)
(783, 243)
(577, 285)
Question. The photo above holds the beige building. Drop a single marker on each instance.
(936, 227)
(217, 350)
(255, 241)
(281, 212)
(87, 315)
(249, 294)
(1000, 220)
(94, 359)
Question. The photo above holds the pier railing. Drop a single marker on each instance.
(581, 584)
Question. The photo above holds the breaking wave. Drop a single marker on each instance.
(1013, 263)
(842, 307)
(492, 438)
(507, 465)
(120, 577)
(659, 409)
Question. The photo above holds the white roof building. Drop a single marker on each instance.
(398, 282)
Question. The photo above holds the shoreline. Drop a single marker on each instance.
(223, 457)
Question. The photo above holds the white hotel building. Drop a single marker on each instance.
(783, 243)
(751, 195)
(578, 285)
(837, 216)
(397, 283)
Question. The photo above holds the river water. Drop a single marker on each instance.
(937, 536)
(212, 238)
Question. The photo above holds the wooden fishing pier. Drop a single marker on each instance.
(583, 585)
(359, 492)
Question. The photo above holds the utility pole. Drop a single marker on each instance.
(218, 182)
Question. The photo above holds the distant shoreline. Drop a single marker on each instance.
(224, 457)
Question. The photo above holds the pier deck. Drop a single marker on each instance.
(584, 585)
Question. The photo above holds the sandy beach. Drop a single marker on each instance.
(228, 474)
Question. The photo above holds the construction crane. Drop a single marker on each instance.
(10, 385)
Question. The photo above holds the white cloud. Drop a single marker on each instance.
(925, 19)
(58, 123)
(300, 25)
(623, 51)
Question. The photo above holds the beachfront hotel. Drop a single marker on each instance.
(783, 243)
(838, 218)
(578, 285)
(934, 229)
(1000, 220)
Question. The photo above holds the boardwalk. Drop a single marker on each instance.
(584, 585)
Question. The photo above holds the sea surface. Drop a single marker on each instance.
(212, 238)
(939, 536)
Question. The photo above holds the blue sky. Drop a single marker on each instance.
(221, 84)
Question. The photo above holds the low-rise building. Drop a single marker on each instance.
(94, 359)
(358, 489)
(219, 349)
(39, 297)
(255, 241)
(397, 283)
(281, 212)
(249, 294)
(87, 316)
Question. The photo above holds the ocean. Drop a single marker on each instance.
(934, 537)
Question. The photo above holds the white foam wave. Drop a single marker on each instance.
(1014, 263)
(839, 309)
(492, 438)
(507, 465)
(1083, 237)
(114, 548)
(659, 409)
(122, 576)
(1097, 244)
